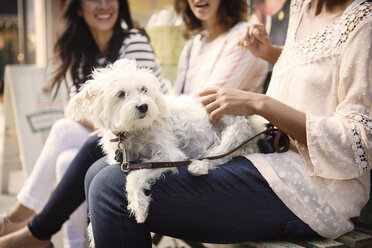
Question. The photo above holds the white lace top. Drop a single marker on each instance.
(327, 75)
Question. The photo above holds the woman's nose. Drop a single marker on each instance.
(102, 3)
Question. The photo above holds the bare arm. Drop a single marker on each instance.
(223, 101)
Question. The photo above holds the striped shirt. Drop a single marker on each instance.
(219, 63)
(135, 46)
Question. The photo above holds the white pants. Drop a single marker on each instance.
(64, 141)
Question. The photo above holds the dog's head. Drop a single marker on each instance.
(120, 97)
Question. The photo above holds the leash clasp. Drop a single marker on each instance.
(121, 155)
(124, 166)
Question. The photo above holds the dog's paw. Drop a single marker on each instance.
(141, 216)
(198, 168)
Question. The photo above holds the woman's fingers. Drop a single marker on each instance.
(253, 30)
(260, 27)
(216, 114)
(97, 132)
(208, 91)
(261, 36)
(207, 96)
(246, 38)
(94, 133)
(209, 99)
(212, 106)
(225, 101)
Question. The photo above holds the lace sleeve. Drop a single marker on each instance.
(340, 146)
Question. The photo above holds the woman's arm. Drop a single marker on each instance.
(224, 101)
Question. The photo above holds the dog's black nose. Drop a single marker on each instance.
(142, 108)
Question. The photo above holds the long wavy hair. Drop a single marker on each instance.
(76, 48)
(229, 13)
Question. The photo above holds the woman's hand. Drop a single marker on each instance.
(86, 123)
(229, 101)
(97, 132)
(257, 41)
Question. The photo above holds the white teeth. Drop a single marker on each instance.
(201, 5)
(103, 16)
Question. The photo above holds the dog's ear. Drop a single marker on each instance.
(79, 106)
(159, 96)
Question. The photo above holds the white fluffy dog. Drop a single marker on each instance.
(124, 99)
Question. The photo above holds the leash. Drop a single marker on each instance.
(280, 144)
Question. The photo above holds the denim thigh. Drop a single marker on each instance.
(232, 204)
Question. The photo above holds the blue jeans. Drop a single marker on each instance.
(231, 204)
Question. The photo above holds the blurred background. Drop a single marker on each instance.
(28, 28)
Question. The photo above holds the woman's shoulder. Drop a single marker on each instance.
(233, 35)
(134, 31)
(135, 40)
(298, 4)
(358, 17)
(295, 11)
(357, 14)
(233, 31)
(240, 26)
(135, 35)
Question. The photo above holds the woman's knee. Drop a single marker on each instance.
(92, 146)
(63, 162)
(105, 185)
(93, 171)
(66, 126)
(92, 174)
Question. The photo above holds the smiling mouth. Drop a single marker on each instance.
(202, 5)
(103, 17)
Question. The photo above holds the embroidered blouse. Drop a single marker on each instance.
(219, 63)
(327, 75)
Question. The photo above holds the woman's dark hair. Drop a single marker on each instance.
(229, 13)
(76, 48)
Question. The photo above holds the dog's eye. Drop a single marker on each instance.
(143, 90)
(120, 94)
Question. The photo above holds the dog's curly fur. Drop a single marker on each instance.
(122, 98)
